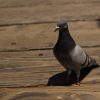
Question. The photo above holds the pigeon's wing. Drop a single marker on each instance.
(79, 57)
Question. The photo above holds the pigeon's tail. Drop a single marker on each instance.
(92, 62)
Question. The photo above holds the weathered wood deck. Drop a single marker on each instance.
(27, 64)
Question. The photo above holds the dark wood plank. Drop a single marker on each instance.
(39, 36)
(49, 13)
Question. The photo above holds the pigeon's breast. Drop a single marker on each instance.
(62, 56)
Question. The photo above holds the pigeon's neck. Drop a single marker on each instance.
(66, 39)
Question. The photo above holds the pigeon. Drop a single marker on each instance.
(70, 55)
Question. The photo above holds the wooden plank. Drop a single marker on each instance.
(39, 36)
(23, 3)
(20, 69)
(86, 92)
(40, 54)
(49, 13)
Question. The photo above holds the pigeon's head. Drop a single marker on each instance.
(61, 24)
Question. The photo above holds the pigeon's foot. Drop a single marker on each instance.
(78, 84)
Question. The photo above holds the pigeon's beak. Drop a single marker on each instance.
(56, 29)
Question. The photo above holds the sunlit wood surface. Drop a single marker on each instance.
(28, 68)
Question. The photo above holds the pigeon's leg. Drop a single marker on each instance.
(68, 76)
(78, 78)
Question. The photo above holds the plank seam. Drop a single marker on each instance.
(48, 22)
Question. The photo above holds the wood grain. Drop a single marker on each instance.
(34, 68)
(90, 92)
(49, 13)
(39, 36)
(28, 68)
(24, 3)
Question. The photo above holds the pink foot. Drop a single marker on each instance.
(78, 83)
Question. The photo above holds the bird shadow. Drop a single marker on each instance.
(60, 79)
(98, 22)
